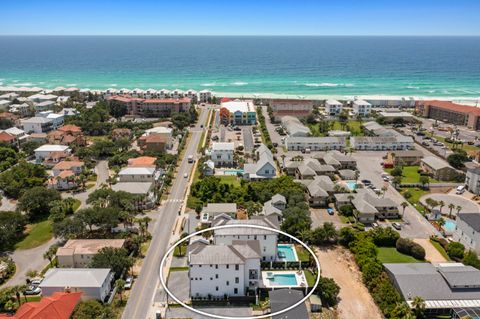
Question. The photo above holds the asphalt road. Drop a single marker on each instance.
(247, 139)
(147, 288)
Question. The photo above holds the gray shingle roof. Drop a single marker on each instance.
(217, 208)
(473, 220)
(236, 253)
(435, 162)
(247, 231)
(284, 298)
(133, 188)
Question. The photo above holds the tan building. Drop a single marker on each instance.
(403, 158)
(152, 107)
(78, 253)
(449, 112)
(290, 107)
(438, 168)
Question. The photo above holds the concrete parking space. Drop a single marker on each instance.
(179, 262)
(182, 313)
(320, 216)
(247, 139)
(467, 206)
(179, 285)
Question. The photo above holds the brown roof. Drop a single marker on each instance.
(8, 115)
(88, 246)
(66, 165)
(65, 174)
(128, 99)
(447, 105)
(58, 154)
(154, 138)
(5, 137)
(142, 161)
(70, 128)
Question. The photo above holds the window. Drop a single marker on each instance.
(237, 267)
(227, 266)
(235, 291)
(216, 276)
(216, 288)
(216, 266)
(228, 283)
(237, 280)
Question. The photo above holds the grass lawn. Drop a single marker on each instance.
(410, 175)
(172, 269)
(310, 278)
(391, 255)
(415, 199)
(302, 253)
(231, 180)
(440, 249)
(37, 234)
(354, 126)
(76, 204)
(465, 146)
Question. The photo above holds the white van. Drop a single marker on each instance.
(460, 189)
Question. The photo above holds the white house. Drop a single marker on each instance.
(219, 270)
(137, 174)
(266, 238)
(78, 253)
(472, 180)
(263, 168)
(38, 98)
(315, 143)
(361, 107)
(145, 198)
(204, 96)
(467, 231)
(57, 120)
(294, 127)
(333, 107)
(222, 154)
(94, 283)
(275, 206)
(382, 143)
(37, 125)
(44, 151)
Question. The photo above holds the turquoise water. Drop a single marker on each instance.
(450, 225)
(407, 66)
(289, 252)
(284, 280)
(351, 185)
(233, 171)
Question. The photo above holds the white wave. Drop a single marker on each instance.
(71, 84)
(327, 84)
(25, 84)
(412, 87)
(113, 85)
(239, 83)
(212, 84)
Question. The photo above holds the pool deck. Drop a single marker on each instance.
(299, 276)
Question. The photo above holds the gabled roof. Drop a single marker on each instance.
(435, 162)
(142, 161)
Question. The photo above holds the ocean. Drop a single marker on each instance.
(347, 66)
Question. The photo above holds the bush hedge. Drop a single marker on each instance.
(411, 248)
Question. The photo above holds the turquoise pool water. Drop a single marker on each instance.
(283, 280)
(288, 251)
(351, 185)
(450, 225)
(233, 171)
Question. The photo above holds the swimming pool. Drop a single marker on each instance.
(283, 280)
(351, 185)
(233, 171)
(286, 253)
(450, 225)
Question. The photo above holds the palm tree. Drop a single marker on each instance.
(441, 222)
(441, 204)
(424, 180)
(418, 305)
(431, 203)
(459, 208)
(384, 190)
(350, 198)
(305, 235)
(404, 205)
(120, 285)
(451, 206)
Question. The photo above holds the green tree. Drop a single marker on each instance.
(451, 206)
(35, 202)
(424, 180)
(92, 309)
(456, 250)
(295, 220)
(457, 160)
(404, 206)
(116, 259)
(120, 285)
(51, 253)
(396, 171)
(329, 291)
(12, 225)
(22, 177)
(418, 305)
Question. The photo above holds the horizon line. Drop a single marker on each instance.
(239, 35)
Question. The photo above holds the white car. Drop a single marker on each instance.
(128, 283)
(32, 290)
(185, 175)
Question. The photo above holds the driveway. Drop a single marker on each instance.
(320, 216)
(179, 285)
(355, 300)
(247, 139)
(182, 313)
(369, 165)
(431, 253)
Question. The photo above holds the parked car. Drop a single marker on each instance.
(330, 211)
(460, 189)
(275, 144)
(36, 282)
(386, 178)
(397, 226)
(366, 182)
(185, 175)
(128, 283)
(375, 225)
(425, 144)
(32, 290)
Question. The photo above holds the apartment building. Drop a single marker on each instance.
(238, 113)
(382, 143)
(333, 107)
(290, 107)
(294, 127)
(361, 107)
(78, 253)
(222, 154)
(37, 125)
(315, 143)
(159, 107)
(449, 112)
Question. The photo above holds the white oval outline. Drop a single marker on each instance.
(210, 315)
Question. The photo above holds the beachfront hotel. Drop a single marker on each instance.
(449, 112)
(159, 107)
(238, 112)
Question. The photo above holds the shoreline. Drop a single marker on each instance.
(474, 101)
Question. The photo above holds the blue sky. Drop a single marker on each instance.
(246, 17)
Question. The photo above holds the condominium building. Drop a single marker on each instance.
(315, 143)
(37, 125)
(238, 113)
(292, 107)
(333, 107)
(361, 107)
(449, 112)
(472, 180)
(160, 107)
(222, 154)
(382, 143)
(204, 96)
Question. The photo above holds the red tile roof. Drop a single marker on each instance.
(447, 105)
(5, 137)
(65, 165)
(70, 128)
(142, 161)
(60, 305)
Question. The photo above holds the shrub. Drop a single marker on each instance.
(346, 210)
(455, 250)
(385, 237)
(409, 247)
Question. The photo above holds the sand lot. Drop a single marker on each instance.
(355, 300)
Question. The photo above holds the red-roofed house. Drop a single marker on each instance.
(153, 142)
(63, 181)
(60, 305)
(152, 107)
(450, 112)
(74, 166)
(142, 161)
(7, 138)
